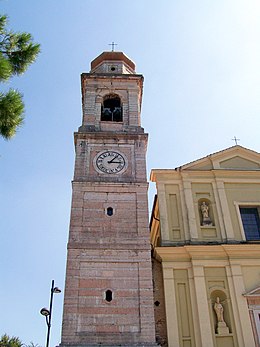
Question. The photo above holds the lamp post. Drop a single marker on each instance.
(47, 312)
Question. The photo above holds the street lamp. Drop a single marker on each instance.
(47, 312)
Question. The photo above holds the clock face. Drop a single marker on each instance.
(110, 162)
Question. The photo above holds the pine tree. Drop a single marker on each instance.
(7, 341)
(17, 52)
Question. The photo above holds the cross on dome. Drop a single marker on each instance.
(113, 44)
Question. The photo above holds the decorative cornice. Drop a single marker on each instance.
(204, 252)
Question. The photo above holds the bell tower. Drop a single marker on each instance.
(108, 295)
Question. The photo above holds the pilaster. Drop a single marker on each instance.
(203, 306)
(190, 210)
(164, 220)
(225, 210)
(171, 308)
(242, 321)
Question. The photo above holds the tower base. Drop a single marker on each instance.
(147, 344)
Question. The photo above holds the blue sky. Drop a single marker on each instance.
(200, 60)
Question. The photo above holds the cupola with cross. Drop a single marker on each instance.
(112, 94)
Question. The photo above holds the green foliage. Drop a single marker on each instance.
(31, 344)
(11, 113)
(7, 341)
(17, 52)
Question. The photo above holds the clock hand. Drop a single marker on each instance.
(112, 160)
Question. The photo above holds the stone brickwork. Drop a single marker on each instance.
(127, 87)
(89, 315)
(159, 304)
(108, 294)
(108, 253)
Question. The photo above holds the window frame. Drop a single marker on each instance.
(242, 204)
(256, 315)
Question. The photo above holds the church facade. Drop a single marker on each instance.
(205, 234)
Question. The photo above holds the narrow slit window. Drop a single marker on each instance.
(110, 211)
(109, 295)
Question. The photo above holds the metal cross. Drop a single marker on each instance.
(113, 44)
(235, 139)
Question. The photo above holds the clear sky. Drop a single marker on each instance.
(201, 63)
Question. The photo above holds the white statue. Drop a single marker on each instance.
(204, 208)
(222, 328)
(219, 310)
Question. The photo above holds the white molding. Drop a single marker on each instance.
(256, 314)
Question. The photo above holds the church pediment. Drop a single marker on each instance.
(254, 292)
(233, 158)
(239, 162)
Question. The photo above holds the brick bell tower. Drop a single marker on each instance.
(108, 295)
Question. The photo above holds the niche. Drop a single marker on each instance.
(205, 212)
(221, 312)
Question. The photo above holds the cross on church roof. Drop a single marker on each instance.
(235, 139)
(113, 44)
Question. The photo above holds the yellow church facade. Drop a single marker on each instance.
(205, 235)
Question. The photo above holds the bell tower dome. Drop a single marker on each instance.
(108, 292)
(113, 62)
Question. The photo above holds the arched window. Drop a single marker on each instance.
(111, 110)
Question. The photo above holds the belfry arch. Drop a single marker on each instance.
(111, 108)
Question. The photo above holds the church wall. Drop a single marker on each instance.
(251, 275)
(196, 273)
(181, 217)
(176, 220)
(192, 286)
(159, 304)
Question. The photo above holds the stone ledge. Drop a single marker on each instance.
(114, 345)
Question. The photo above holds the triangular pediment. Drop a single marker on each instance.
(232, 158)
(254, 292)
(239, 162)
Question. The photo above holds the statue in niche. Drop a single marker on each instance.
(206, 220)
(222, 328)
(219, 310)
